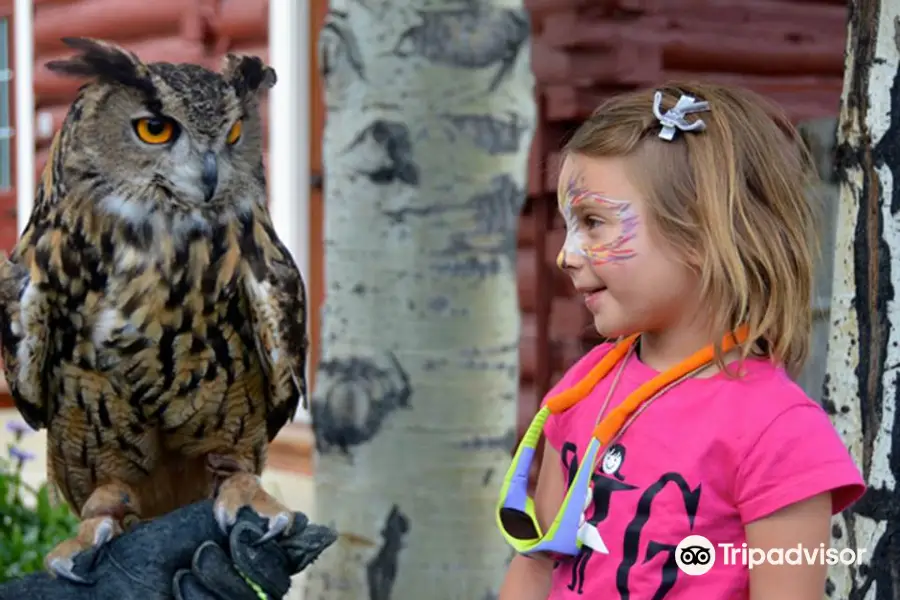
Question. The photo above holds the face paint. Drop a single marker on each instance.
(579, 243)
(576, 241)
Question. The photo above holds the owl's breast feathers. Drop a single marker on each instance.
(170, 318)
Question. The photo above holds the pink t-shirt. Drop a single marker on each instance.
(705, 458)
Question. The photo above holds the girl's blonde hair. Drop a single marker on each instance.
(735, 198)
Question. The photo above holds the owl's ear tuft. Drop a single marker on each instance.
(248, 74)
(102, 60)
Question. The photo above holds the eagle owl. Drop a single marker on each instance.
(151, 319)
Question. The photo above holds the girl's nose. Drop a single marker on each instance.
(568, 260)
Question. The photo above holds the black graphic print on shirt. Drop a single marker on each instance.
(609, 483)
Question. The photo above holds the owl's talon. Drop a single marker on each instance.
(223, 518)
(105, 531)
(278, 524)
(92, 533)
(62, 568)
(245, 489)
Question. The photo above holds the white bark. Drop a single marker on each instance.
(864, 345)
(430, 119)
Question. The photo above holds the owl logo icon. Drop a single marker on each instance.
(695, 555)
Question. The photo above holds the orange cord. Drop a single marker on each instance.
(570, 397)
(611, 424)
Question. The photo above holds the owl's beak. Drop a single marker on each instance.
(210, 174)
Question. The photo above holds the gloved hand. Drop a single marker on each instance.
(252, 571)
(181, 551)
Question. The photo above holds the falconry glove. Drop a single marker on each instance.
(246, 569)
(184, 555)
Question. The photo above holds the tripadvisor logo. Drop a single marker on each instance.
(696, 555)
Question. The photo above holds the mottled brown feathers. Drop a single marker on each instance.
(144, 328)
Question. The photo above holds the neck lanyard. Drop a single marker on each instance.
(610, 426)
(516, 517)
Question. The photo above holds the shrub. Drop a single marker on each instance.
(31, 523)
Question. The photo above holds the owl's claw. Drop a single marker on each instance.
(245, 489)
(278, 524)
(106, 530)
(62, 568)
(224, 520)
(92, 533)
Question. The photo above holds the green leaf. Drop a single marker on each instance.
(28, 533)
(44, 509)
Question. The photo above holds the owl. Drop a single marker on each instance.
(151, 320)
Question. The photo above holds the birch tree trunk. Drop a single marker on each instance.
(864, 347)
(430, 117)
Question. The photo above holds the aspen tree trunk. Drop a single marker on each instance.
(861, 386)
(430, 114)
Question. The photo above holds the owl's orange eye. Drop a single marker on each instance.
(155, 130)
(234, 134)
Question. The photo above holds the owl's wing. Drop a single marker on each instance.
(276, 298)
(24, 337)
(25, 303)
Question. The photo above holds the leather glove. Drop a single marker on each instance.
(249, 570)
(147, 562)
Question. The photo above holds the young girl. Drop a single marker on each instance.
(689, 235)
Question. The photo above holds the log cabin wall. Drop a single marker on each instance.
(582, 51)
